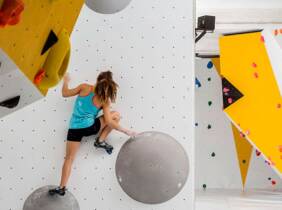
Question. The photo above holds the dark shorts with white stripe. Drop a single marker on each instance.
(78, 134)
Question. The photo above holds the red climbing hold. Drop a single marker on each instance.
(254, 65)
(280, 148)
(279, 106)
(242, 135)
(276, 32)
(258, 153)
(39, 76)
(273, 182)
(230, 100)
(262, 38)
(256, 75)
(10, 12)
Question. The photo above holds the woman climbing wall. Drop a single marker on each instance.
(84, 121)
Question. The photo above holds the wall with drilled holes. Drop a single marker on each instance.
(149, 47)
(216, 158)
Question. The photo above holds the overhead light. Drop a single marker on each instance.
(205, 24)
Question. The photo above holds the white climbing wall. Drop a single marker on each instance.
(216, 157)
(149, 47)
(14, 83)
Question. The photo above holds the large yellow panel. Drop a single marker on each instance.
(245, 63)
(24, 41)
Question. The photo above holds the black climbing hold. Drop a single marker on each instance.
(230, 93)
(210, 103)
(213, 154)
(51, 40)
(244, 161)
(11, 102)
(204, 186)
(209, 126)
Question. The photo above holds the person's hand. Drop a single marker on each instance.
(130, 133)
(67, 78)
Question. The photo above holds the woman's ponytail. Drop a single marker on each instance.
(106, 87)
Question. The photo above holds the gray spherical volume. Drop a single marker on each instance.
(152, 168)
(107, 6)
(41, 200)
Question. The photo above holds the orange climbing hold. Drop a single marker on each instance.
(10, 12)
(39, 76)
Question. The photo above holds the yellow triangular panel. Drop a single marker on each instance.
(244, 153)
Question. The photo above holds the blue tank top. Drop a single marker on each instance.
(84, 112)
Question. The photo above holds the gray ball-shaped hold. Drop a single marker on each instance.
(152, 167)
(41, 200)
(107, 6)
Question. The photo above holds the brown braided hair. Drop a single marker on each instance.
(106, 87)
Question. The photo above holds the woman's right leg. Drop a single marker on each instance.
(71, 150)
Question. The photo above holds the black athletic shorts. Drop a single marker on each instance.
(78, 134)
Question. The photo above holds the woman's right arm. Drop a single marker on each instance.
(112, 123)
(66, 91)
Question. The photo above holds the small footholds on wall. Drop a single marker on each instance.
(258, 153)
(256, 75)
(198, 83)
(209, 65)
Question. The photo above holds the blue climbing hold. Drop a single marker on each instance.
(198, 83)
(210, 65)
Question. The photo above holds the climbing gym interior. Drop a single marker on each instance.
(238, 106)
(188, 116)
(149, 48)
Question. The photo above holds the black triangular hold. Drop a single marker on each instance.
(51, 40)
(230, 93)
(11, 102)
